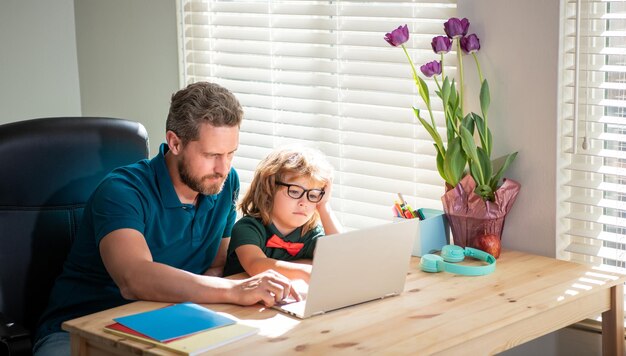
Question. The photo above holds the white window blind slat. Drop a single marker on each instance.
(598, 168)
(596, 202)
(597, 218)
(320, 74)
(592, 153)
(597, 185)
(597, 252)
(597, 234)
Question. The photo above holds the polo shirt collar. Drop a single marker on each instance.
(293, 236)
(166, 187)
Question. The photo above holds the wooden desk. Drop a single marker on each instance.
(526, 297)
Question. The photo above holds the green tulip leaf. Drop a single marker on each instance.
(484, 133)
(485, 99)
(453, 102)
(469, 146)
(454, 162)
(445, 91)
(450, 112)
(480, 124)
(442, 172)
(475, 171)
(485, 165)
(495, 180)
(458, 114)
(489, 142)
(423, 91)
(451, 133)
(468, 123)
(433, 133)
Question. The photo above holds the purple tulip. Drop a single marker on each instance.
(441, 44)
(431, 68)
(455, 28)
(398, 36)
(470, 44)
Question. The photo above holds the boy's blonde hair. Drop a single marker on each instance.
(277, 166)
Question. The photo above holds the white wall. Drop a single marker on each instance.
(38, 65)
(128, 60)
(89, 57)
(519, 57)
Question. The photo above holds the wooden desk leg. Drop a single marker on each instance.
(613, 324)
(77, 345)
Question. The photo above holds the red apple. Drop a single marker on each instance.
(489, 243)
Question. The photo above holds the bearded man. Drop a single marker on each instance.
(159, 229)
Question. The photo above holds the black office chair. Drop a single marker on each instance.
(48, 169)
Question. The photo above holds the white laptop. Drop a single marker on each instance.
(356, 267)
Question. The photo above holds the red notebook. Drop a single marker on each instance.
(127, 330)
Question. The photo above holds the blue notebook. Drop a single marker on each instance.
(174, 321)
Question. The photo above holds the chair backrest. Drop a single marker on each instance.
(48, 169)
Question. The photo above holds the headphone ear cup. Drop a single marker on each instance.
(453, 253)
(431, 263)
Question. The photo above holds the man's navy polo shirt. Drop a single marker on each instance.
(140, 196)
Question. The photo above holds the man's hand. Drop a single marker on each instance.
(268, 288)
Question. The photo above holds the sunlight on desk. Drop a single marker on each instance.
(602, 275)
(272, 327)
(592, 281)
(581, 286)
(571, 292)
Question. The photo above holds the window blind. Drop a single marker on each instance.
(593, 193)
(318, 73)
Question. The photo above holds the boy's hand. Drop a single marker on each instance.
(328, 189)
(329, 221)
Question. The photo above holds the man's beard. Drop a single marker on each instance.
(199, 185)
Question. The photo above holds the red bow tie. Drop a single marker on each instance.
(292, 247)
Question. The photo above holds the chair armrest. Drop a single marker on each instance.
(14, 338)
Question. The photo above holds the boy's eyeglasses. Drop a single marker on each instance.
(296, 192)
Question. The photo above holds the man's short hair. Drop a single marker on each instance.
(200, 103)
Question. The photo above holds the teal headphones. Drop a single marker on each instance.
(453, 253)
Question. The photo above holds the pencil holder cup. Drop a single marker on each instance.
(432, 235)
